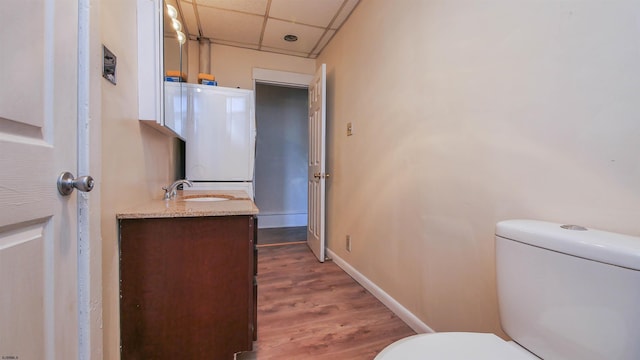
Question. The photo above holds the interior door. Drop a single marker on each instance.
(316, 174)
(38, 227)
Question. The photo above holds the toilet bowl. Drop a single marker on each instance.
(564, 291)
(454, 346)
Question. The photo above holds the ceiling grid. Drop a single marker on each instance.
(262, 24)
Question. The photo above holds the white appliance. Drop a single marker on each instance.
(220, 138)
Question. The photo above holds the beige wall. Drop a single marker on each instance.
(466, 113)
(136, 160)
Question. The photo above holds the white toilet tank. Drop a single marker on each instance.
(569, 293)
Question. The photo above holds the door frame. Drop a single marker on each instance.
(89, 134)
(282, 79)
(298, 80)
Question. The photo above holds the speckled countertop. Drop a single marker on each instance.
(238, 203)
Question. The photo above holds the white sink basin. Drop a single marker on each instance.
(205, 198)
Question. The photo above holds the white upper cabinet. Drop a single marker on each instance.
(158, 106)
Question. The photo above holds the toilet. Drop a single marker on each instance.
(564, 292)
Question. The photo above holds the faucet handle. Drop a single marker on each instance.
(168, 194)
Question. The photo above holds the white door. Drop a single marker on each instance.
(316, 174)
(38, 235)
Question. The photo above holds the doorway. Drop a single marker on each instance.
(282, 144)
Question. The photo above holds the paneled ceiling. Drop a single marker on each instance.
(263, 24)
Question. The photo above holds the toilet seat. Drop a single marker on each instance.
(454, 346)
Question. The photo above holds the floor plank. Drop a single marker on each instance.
(312, 310)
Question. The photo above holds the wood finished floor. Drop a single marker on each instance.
(312, 310)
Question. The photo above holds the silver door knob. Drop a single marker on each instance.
(66, 183)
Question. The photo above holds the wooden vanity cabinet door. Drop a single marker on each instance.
(186, 287)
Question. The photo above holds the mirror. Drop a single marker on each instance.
(175, 67)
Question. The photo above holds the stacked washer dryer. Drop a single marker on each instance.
(220, 138)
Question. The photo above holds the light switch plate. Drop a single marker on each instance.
(349, 129)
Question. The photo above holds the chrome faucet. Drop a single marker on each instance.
(170, 191)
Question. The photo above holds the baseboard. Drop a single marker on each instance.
(281, 220)
(405, 315)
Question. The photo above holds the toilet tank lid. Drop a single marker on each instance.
(606, 247)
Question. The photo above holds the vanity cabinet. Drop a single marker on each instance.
(187, 287)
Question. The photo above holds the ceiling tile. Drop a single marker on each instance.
(308, 36)
(311, 12)
(230, 25)
(240, 22)
(249, 6)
